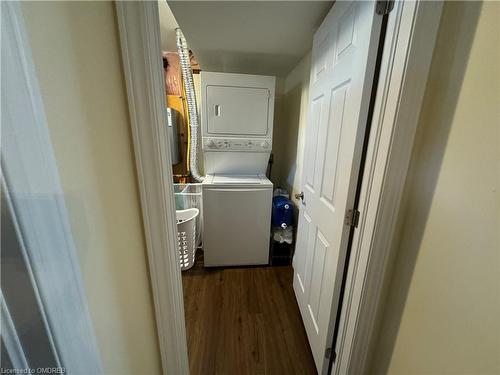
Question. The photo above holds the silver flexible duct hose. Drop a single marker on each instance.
(187, 75)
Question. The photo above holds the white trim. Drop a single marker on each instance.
(10, 337)
(411, 34)
(9, 205)
(34, 192)
(139, 35)
(408, 50)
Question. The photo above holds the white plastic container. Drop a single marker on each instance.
(190, 196)
(186, 236)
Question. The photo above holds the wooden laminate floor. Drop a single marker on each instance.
(244, 321)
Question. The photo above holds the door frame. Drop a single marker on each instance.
(30, 182)
(411, 33)
(407, 54)
(139, 29)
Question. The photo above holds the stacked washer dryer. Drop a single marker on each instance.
(237, 126)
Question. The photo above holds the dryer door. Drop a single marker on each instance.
(237, 111)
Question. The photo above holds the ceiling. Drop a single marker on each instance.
(254, 37)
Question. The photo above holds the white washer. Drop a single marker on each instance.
(237, 219)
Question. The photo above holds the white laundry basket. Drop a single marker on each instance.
(190, 196)
(186, 236)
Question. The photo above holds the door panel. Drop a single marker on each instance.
(333, 141)
(316, 116)
(343, 64)
(320, 247)
(299, 259)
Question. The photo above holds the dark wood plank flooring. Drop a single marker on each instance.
(244, 321)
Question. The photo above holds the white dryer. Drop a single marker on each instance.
(237, 219)
(237, 113)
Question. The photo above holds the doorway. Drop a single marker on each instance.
(238, 133)
(363, 231)
(244, 255)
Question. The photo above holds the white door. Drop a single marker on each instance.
(343, 63)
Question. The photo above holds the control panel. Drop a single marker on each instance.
(237, 144)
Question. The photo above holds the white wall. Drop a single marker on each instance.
(443, 311)
(77, 58)
(289, 131)
(280, 130)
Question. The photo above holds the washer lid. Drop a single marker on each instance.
(226, 179)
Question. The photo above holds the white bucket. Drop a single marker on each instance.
(186, 236)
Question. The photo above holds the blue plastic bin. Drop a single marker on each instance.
(282, 215)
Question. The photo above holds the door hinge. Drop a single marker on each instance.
(352, 218)
(330, 354)
(384, 7)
